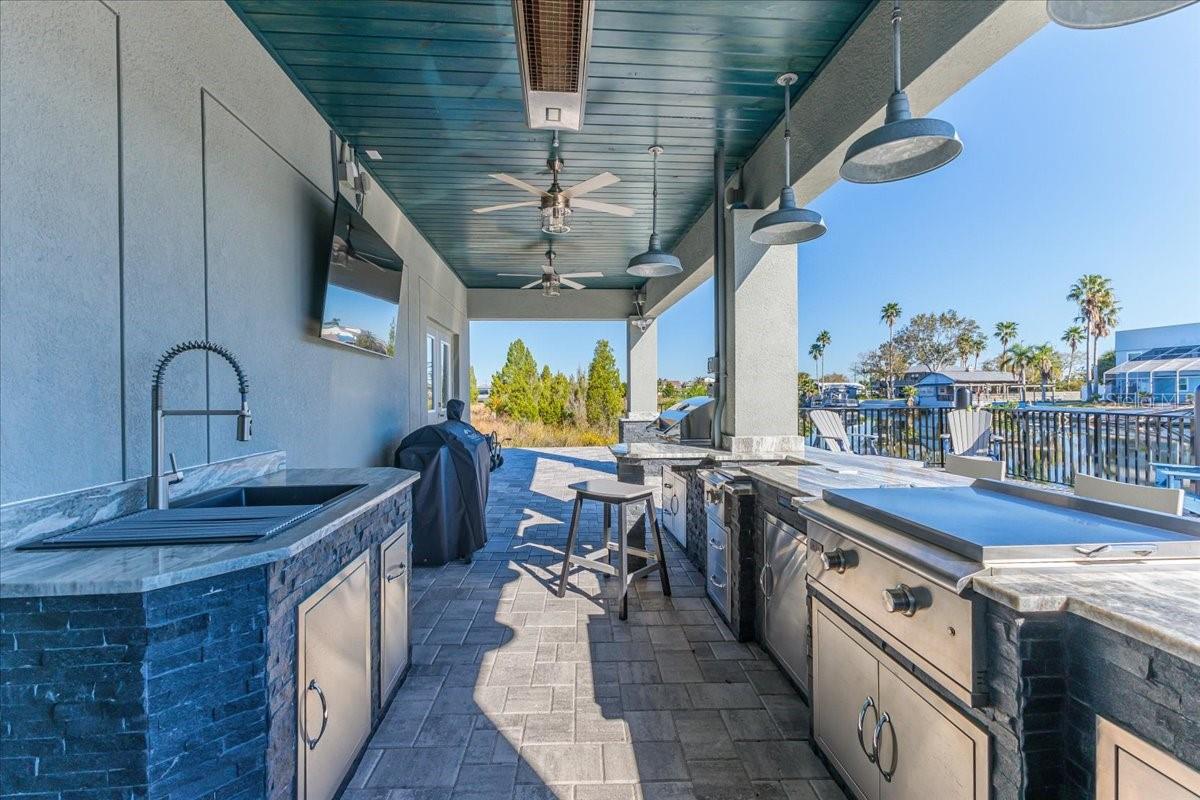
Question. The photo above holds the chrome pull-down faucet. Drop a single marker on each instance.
(160, 480)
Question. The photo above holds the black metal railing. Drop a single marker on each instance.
(1038, 444)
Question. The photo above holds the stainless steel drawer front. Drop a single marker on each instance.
(929, 624)
(718, 565)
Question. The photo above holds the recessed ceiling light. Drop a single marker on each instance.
(374, 155)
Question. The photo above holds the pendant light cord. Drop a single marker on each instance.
(787, 134)
(896, 45)
(654, 199)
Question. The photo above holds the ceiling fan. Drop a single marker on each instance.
(556, 202)
(550, 281)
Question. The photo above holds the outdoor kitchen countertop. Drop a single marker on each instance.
(117, 570)
(808, 475)
(655, 451)
(1155, 604)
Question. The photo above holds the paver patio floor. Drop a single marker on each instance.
(516, 693)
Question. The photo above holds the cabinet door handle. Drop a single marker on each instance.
(862, 718)
(762, 581)
(714, 544)
(674, 504)
(399, 573)
(884, 719)
(712, 579)
(313, 686)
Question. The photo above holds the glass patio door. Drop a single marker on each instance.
(441, 370)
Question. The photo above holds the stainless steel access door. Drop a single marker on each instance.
(393, 609)
(333, 703)
(785, 608)
(674, 504)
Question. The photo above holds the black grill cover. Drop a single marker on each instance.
(450, 497)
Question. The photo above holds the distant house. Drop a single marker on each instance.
(936, 389)
(1162, 364)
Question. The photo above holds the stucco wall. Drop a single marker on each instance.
(164, 180)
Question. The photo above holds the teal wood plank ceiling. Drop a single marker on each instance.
(435, 88)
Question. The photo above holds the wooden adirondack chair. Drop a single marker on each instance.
(831, 432)
(971, 434)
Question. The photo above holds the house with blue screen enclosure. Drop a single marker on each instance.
(1160, 364)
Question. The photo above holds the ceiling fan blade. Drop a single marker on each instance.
(533, 284)
(591, 184)
(503, 206)
(512, 274)
(570, 283)
(582, 275)
(607, 208)
(517, 182)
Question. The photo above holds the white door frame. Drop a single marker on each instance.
(441, 370)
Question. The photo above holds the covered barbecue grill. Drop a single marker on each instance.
(449, 501)
(689, 421)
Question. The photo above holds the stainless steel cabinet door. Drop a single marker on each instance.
(845, 678)
(1129, 768)
(718, 565)
(333, 706)
(927, 748)
(393, 609)
(785, 617)
(674, 501)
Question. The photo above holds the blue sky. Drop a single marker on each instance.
(1082, 154)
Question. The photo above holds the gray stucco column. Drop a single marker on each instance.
(641, 362)
(762, 403)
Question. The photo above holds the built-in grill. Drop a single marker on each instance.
(687, 422)
(901, 560)
(896, 627)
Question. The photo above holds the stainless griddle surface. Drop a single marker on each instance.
(989, 525)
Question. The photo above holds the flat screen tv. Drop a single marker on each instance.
(362, 287)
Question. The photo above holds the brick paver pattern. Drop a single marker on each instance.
(517, 694)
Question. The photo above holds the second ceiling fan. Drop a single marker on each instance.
(550, 281)
(556, 202)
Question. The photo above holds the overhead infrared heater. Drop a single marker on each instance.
(553, 37)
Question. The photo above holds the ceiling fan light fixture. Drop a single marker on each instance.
(1096, 14)
(555, 218)
(903, 147)
(550, 286)
(655, 262)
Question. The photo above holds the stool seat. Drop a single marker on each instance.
(609, 491)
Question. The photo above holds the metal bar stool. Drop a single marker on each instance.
(615, 493)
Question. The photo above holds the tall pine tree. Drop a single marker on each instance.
(605, 395)
(514, 387)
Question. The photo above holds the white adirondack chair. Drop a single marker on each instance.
(1154, 498)
(971, 434)
(974, 467)
(831, 432)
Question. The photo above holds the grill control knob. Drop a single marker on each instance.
(837, 560)
(900, 600)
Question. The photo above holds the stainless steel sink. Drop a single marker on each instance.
(224, 516)
(255, 496)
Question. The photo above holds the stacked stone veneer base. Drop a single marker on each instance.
(183, 692)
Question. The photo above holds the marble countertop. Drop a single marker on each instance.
(651, 451)
(1155, 604)
(119, 570)
(817, 470)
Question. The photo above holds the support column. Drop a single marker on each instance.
(641, 362)
(762, 406)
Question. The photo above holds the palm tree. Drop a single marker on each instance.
(823, 339)
(978, 345)
(1016, 360)
(889, 315)
(1005, 332)
(1045, 361)
(1071, 337)
(1093, 294)
(814, 352)
(964, 344)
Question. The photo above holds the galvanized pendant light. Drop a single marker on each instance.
(1091, 14)
(655, 262)
(787, 224)
(902, 147)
